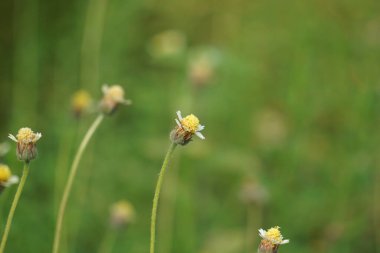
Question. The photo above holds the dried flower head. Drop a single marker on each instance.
(6, 177)
(26, 144)
(272, 239)
(80, 102)
(185, 129)
(122, 214)
(113, 96)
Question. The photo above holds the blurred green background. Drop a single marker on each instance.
(288, 92)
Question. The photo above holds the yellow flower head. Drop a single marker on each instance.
(190, 123)
(186, 128)
(5, 173)
(6, 177)
(112, 97)
(25, 135)
(115, 93)
(81, 101)
(273, 235)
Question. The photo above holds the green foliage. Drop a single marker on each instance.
(293, 105)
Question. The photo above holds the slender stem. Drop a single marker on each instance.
(13, 207)
(157, 196)
(254, 220)
(70, 180)
(108, 241)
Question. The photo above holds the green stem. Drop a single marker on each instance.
(13, 207)
(108, 241)
(157, 196)
(69, 183)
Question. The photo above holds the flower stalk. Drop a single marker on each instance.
(157, 195)
(14, 205)
(69, 183)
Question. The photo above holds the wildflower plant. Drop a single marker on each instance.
(26, 151)
(113, 96)
(182, 134)
(271, 240)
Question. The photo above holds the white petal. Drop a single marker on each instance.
(127, 102)
(38, 136)
(179, 115)
(105, 88)
(12, 180)
(178, 123)
(262, 232)
(200, 128)
(200, 135)
(285, 241)
(12, 138)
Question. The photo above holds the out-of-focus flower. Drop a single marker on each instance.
(26, 144)
(6, 177)
(4, 148)
(122, 214)
(167, 44)
(185, 129)
(272, 239)
(253, 193)
(270, 128)
(80, 102)
(113, 96)
(224, 241)
(202, 67)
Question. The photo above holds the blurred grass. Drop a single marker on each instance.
(314, 65)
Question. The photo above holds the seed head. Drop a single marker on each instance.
(185, 129)
(113, 96)
(26, 144)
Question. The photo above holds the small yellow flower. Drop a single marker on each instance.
(113, 96)
(26, 144)
(186, 128)
(26, 135)
(273, 235)
(122, 214)
(167, 44)
(80, 102)
(6, 177)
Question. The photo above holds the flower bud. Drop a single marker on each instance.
(113, 96)
(26, 144)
